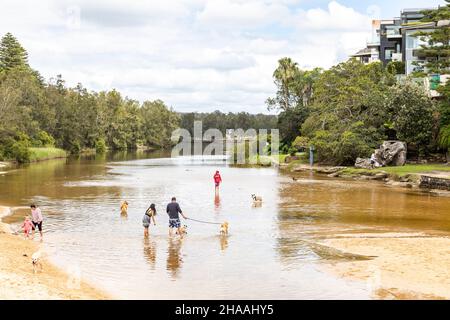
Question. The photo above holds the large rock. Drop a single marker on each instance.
(362, 163)
(391, 153)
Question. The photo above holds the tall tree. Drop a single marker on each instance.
(12, 54)
(436, 51)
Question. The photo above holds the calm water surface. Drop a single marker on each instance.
(268, 254)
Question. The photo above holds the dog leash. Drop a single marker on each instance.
(207, 222)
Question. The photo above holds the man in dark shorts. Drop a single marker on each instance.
(174, 211)
(36, 218)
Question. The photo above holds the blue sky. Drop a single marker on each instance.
(196, 55)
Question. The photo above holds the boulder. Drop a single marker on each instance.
(362, 163)
(391, 153)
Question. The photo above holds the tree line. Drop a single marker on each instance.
(224, 121)
(347, 111)
(39, 113)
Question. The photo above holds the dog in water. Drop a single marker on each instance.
(256, 198)
(224, 229)
(183, 230)
(124, 208)
(36, 261)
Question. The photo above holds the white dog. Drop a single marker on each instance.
(36, 261)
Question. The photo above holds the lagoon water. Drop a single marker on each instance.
(269, 253)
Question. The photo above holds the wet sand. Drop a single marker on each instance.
(401, 265)
(18, 281)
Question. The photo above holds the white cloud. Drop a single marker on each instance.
(193, 54)
(337, 17)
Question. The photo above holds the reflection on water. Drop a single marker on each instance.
(270, 252)
(217, 202)
(174, 258)
(223, 242)
(150, 252)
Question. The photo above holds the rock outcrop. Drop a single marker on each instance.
(391, 153)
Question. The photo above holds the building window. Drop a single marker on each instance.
(388, 54)
(411, 42)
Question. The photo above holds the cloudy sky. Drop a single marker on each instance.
(196, 55)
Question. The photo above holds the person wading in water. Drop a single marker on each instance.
(217, 181)
(37, 219)
(149, 216)
(174, 211)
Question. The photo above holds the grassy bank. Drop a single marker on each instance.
(41, 154)
(400, 171)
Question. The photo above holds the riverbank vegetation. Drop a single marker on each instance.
(41, 154)
(35, 113)
(347, 111)
(402, 171)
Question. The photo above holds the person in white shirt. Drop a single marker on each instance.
(37, 219)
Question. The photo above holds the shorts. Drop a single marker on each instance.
(146, 225)
(217, 184)
(174, 223)
(38, 225)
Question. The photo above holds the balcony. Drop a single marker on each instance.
(397, 57)
(393, 33)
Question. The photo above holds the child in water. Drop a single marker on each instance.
(149, 216)
(27, 227)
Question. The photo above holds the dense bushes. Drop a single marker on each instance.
(352, 109)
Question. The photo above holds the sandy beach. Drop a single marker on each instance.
(18, 281)
(401, 265)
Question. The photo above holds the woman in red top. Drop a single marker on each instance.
(217, 180)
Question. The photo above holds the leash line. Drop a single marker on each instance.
(207, 222)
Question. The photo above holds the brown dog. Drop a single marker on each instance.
(224, 229)
(183, 230)
(124, 208)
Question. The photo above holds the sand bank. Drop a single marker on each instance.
(18, 281)
(402, 266)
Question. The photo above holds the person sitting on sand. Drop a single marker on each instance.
(149, 216)
(173, 210)
(27, 227)
(37, 219)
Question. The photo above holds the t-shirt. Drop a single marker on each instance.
(217, 178)
(173, 210)
(37, 215)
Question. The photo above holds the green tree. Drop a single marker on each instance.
(437, 48)
(12, 54)
(412, 114)
(349, 111)
(158, 123)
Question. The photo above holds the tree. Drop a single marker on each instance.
(295, 89)
(158, 123)
(284, 78)
(12, 54)
(412, 114)
(348, 112)
(437, 49)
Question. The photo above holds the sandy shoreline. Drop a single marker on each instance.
(402, 266)
(18, 280)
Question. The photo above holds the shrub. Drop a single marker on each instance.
(100, 146)
(20, 152)
(75, 147)
(43, 139)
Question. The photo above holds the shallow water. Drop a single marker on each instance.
(269, 254)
